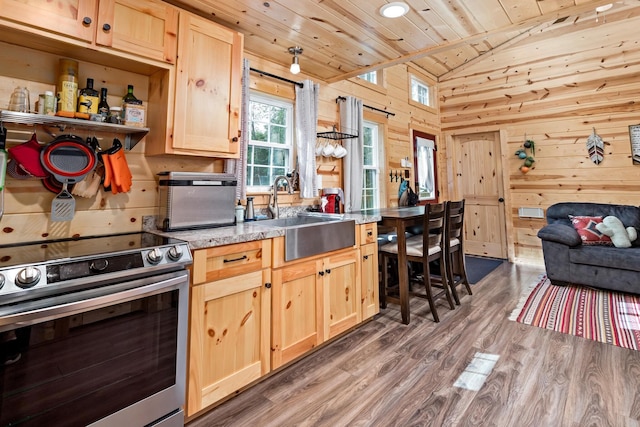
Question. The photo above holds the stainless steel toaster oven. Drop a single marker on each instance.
(190, 200)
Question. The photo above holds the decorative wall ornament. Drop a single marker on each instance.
(528, 157)
(595, 146)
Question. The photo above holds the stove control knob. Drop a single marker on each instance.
(2, 280)
(28, 277)
(154, 256)
(175, 253)
(99, 265)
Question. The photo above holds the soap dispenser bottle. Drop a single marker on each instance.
(250, 214)
(239, 213)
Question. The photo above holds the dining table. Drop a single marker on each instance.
(401, 218)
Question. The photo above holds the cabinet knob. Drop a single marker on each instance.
(369, 233)
(234, 139)
(328, 271)
(86, 20)
(321, 273)
(365, 257)
(106, 27)
(267, 285)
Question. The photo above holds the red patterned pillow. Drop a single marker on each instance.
(586, 228)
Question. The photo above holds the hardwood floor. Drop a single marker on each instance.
(389, 374)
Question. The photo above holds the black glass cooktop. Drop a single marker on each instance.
(52, 250)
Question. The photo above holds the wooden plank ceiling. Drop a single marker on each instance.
(344, 38)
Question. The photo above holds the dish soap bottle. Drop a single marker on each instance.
(239, 213)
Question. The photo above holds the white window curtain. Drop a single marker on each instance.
(306, 112)
(238, 167)
(351, 122)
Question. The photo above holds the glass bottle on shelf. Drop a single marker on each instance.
(103, 106)
(88, 99)
(130, 98)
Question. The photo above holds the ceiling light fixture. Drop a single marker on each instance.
(394, 9)
(604, 8)
(295, 64)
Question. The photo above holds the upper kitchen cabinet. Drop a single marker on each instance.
(146, 28)
(73, 18)
(208, 92)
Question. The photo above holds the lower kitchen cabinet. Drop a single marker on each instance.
(230, 323)
(296, 311)
(313, 301)
(342, 293)
(370, 280)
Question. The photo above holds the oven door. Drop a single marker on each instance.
(113, 355)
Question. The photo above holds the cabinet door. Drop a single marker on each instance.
(74, 18)
(370, 280)
(297, 318)
(229, 337)
(208, 89)
(145, 27)
(341, 293)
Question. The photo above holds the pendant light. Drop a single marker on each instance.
(295, 64)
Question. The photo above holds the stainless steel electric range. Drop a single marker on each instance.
(93, 331)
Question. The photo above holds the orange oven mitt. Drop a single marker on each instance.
(117, 174)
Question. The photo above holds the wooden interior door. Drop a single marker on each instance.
(478, 171)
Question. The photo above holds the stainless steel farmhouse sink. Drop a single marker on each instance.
(306, 236)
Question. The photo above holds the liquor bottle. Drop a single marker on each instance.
(88, 99)
(103, 106)
(130, 98)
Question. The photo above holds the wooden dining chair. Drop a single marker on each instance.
(423, 249)
(454, 248)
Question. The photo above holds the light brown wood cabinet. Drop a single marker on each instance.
(147, 28)
(368, 238)
(312, 301)
(229, 322)
(141, 27)
(370, 302)
(208, 94)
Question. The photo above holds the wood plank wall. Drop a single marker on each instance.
(554, 87)
(27, 203)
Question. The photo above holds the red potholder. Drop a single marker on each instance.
(27, 155)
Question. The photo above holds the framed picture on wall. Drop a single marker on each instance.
(634, 136)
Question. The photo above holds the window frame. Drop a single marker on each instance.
(414, 74)
(290, 144)
(377, 147)
(416, 167)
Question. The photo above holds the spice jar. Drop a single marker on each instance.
(115, 115)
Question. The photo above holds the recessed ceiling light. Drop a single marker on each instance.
(394, 9)
(604, 8)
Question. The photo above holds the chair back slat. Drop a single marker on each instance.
(434, 223)
(455, 221)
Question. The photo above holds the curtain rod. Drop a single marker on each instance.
(342, 98)
(264, 73)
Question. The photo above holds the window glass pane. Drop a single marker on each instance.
(367, 156)
(258, 131)
(280, 157)
(261, 176)
(371, 76)
(261, 156)
(278, 116)
(278, 135)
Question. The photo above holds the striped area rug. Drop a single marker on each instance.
(604, 316)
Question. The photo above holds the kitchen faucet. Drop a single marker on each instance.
(273, 207)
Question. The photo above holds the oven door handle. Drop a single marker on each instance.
(31, 312)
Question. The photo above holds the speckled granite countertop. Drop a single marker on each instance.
(243, 232)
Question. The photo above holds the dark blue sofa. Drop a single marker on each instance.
(567, 260)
